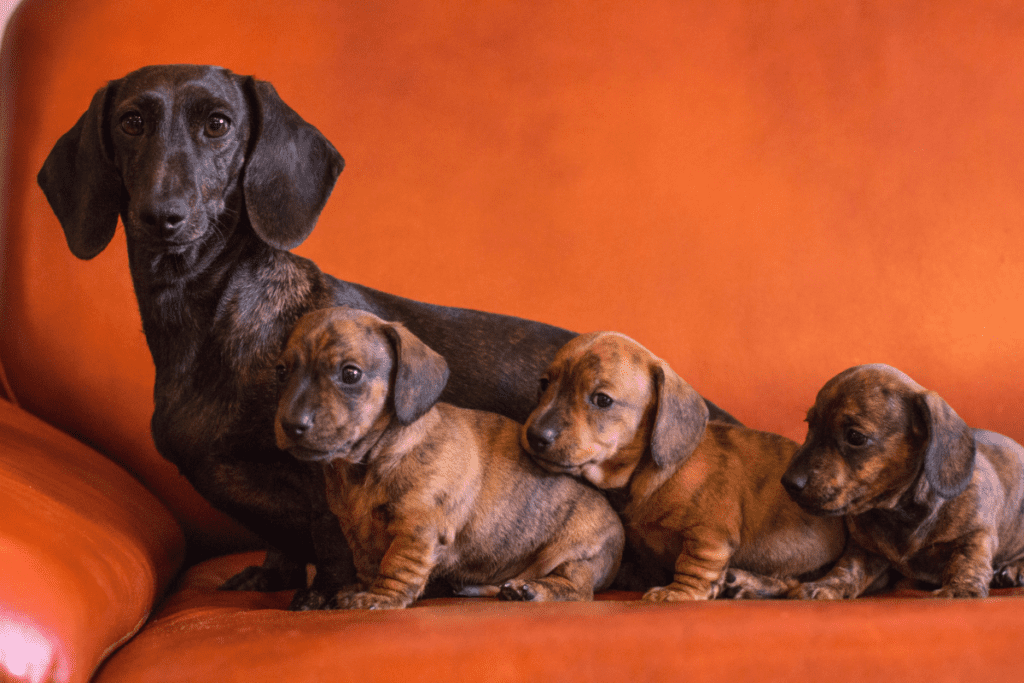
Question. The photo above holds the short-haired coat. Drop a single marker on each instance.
(699, 497)
(921, 492)
(425, 490)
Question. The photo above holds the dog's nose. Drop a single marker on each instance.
(794, 482)
(167, 219)
(540, 439)
(294, 429)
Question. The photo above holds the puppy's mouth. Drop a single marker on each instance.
(558, 467)
(306, 454)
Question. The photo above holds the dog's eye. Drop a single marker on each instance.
(601, 400)
(217, 125)
(350, 374)
(282, 372)
(132, 123)
(855, 438)
(544, 384)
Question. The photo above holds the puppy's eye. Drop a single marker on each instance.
(132, 123)
(282, 372)
(544, 384)
(601, 400)
(350, 374)
(855, 438)
(217, 125)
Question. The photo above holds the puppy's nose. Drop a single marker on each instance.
(540, 439)
(794, 482)
(295, 428)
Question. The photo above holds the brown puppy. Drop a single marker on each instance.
(700, 497)
(431, 491)
(921, 492)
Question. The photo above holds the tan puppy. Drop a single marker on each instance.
(921, 491)
(700, 497)
(430, 491)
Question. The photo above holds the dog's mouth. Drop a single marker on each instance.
(306, 454)
(558, 467)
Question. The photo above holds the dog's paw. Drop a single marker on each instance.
(367, 600)
(742, 585)
(673, 594)
(519, 591)
(1011, 576)
(308, 599)
(815, 591)
(960, 591)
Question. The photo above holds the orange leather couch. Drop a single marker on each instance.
(762, 193)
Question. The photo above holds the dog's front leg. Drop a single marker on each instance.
(403, 574)
(699, 568)
(968, 573)
(853, 573)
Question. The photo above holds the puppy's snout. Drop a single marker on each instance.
(295, 427)
(540, 438)
(166, 219)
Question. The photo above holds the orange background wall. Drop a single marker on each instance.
(762, 193)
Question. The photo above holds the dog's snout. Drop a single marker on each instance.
(794, 482)
(540, 439)
(296, 427)
(166, 218)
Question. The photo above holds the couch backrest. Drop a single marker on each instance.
(764, 194)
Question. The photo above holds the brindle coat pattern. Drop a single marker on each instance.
(921, 492)
(431, 491)
(214, 178)
(700, 497)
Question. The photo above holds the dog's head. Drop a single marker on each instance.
(182, 152)
(606, 402)
(874, 434)
(345, 374)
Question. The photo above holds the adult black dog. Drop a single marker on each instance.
(215, 178)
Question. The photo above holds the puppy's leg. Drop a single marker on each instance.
(403, 574)
(969, 570)
(740, 584)
(699, 570)
(853, 573)
(591, 544)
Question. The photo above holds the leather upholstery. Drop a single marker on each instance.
(763, 194)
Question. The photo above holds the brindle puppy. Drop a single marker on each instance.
(431, 491)
(921, 492)
(699, 497)
(215, 178)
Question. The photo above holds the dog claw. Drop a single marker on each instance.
(522, 593)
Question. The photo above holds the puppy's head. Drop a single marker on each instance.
(605, 403)
(873, 434)
(345, 374)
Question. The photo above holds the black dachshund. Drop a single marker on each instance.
(215, 178)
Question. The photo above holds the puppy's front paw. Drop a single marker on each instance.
(1011, 576)
(673, 594)
(519, 591)
(960, 591)
(743, 585)
(815, 591)
(266, 579)
(367, 600)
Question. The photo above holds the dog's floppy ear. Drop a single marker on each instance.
(949, 452)
(290, 171)
(81, 182)
(420, 374)
(680, 418)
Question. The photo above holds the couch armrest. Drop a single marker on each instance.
(85, 550)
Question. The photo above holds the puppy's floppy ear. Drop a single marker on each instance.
(680, 419)
(949, 452)
(81, 182)
(290, 171)
(420, 374)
